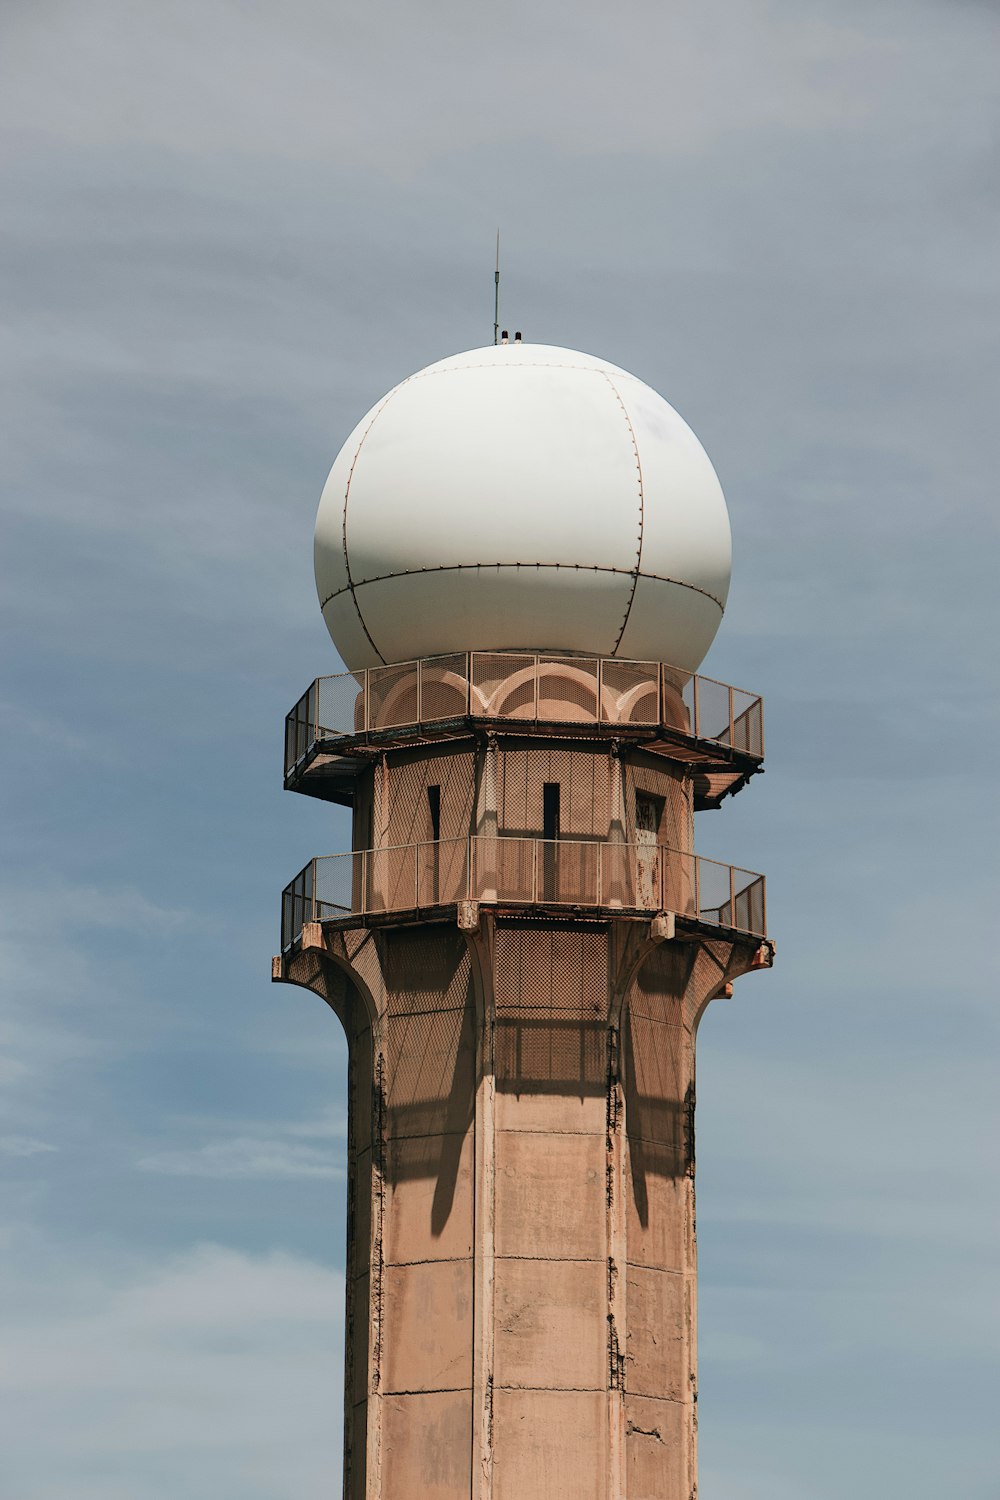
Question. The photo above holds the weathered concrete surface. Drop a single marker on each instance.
(521, 1258)
(521, 1309)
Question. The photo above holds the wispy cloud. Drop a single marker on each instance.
(212, 1374)
(270, 1150)
(23, 1145)
(246, 1156)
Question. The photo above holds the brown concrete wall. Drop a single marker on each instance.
(409, 774)
(521, 1258)
(658, 1084)
(550, 1342)
(521, 1265)
(646, 774)
(583, 777)
(426, 1375)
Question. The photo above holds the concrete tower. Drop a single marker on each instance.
(522, 555)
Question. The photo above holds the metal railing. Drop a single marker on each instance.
(536, 688)
(560, 872)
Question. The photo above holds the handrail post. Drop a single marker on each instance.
(732, 726)
(418, 667)
(696, 700)
(469, 887)
(600, 874)
(732, 896)
(697, 887)
(470, 666)
(534, 872)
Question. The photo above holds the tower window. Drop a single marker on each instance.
(434, 808)
(550, 810)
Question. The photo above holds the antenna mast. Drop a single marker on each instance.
(496, 296)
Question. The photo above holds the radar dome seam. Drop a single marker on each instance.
(642, 511)
(479, 566)
(343, 520)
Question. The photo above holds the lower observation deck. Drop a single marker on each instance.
(561, 875)
(341, 722)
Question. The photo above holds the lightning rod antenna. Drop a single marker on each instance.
(496, 296)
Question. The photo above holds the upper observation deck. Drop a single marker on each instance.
(341, 722)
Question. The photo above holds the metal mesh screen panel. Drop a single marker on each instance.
(630, 692)
(567, 689)
(503, 684)
(444, 688)
(339, 706)
(715, 893)
(748, 722)
(555, 970)
(551, 988)
(392, 879)
(619, 883)
(392, 696)
(442, 872)
(518, 685)
(712, 710)
(426, 969)
(508, 867)
(677, 694)
(430, 1042)
(296, 905)
(299, 731)
(409, 813)
(583, 780)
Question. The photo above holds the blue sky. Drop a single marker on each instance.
(229, 229)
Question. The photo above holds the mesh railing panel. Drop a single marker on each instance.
(297, 905)
(568, 689)
(392, 696)
(525, 871)
(338, 883)
(519, 685)
(503, 685)
(750, 904)
(748, 723)
(442, 872)
(506, 865)
(340, 707)
(630, 692)
(619, 875)
(713, 705)
(677, 693)
(392, 878)
(444, 688)
(713, 892)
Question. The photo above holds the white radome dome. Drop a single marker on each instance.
(522, 497)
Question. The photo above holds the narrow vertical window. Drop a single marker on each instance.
(549, 873)
(434, 808)
(550, 810)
